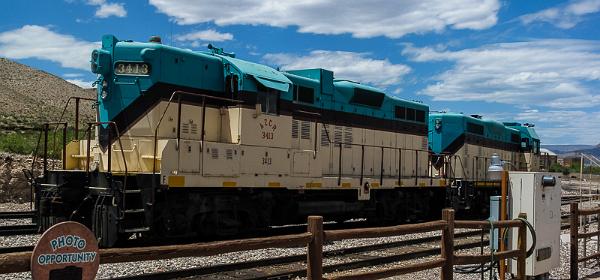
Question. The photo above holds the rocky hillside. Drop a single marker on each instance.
(13, 183)
(29, 97)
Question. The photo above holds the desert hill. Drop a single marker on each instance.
(29, 97)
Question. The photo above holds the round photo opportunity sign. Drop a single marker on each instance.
(68, 250)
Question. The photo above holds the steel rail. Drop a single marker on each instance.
(290, 260)
(18, 229)
(18, 214)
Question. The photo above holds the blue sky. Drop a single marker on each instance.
(529, 61)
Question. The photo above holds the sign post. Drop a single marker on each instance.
(68, 250)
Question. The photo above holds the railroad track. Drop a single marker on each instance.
(19, 249)
(6, 230)
(565, 200)
(18, 229)
(17, 215)
(294, 266)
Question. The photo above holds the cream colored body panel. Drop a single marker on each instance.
(472, 161)
(245, 149)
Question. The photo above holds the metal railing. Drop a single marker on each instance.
(179, 93)
(340, 144)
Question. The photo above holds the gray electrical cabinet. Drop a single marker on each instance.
(537, 194)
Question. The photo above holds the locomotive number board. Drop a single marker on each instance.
(132, 68)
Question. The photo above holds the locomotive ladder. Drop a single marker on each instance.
(133, 214)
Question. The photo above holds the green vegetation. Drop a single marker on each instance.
(18, 142)
(559, 168)
(25, 142)
(574, 169)
(586, 169)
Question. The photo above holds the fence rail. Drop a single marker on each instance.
(314, 239)
(575, 235)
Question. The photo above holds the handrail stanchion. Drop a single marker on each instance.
(574, 221)
(178, 120)
(314, 262)
(416, 167)
(77, 118)
(399, 167)
(203, 120)
(89, 142)
(362, 164)
(339, 182)
(448, 244)
(109, 151)
(522, 243)
(381, 170)
(46, 127)
(64, 151)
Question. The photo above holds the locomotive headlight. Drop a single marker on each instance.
(438, 124)
(104, 89)
(100, 61)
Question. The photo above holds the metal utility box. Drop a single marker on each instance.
(538, 195)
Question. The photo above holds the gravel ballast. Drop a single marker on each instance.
(136, 268)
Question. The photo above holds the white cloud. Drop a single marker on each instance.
(362, 19)
(564, 126)
(80, 83)
(345, 65)
(108, 9)
(209, 35)
(555, 126)
(73, 75)
(565, 16)
(551, 73)
(33, 41)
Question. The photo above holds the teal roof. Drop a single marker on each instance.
(176, 66)
(532, 132)
(526, 130)
(265, 75)
(453, 125)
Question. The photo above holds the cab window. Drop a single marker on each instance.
(304, 94)
(268, 99)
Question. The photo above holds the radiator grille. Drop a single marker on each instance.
(348, 139)
(185, 128)
(294, 129)
(337, 135)
(305, 130)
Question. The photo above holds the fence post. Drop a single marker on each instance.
(574, 219)
(522, 243)
(448, 244)
(314, 264)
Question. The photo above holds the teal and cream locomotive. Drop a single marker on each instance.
(203, 143)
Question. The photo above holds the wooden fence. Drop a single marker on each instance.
(314, 239)
(574, 217)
